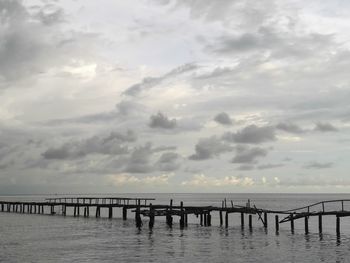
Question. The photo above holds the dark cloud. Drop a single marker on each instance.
(208, 148)
(248, 155)
(168, 161)
(245, 167)
(318, 165)
(113, 144)
(252, 134)
(162, 121)
(289, 127)
(325, 127)
(223, 118)
(140, 160)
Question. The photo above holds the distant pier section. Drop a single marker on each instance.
(144, 208)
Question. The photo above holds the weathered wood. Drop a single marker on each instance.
(220, 214)
(209, 219)
(226, 219)
(242, 219)
(306, 221)
(320, 223)
(265, 219)
(250, 222)
(277, 226)
(110, 212)
(201, 219)
(151, 216)
(182, 220)
(125, 213)
(292, 223)
(337, 225)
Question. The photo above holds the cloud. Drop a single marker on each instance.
(245, 167)
(270, 166)
(248, 155)
(168, 161)
(140, 160)
(251, 134)
(223, 118)
(162, 121)
(127, 179)
(150, 82)
(201, 180)
(289, 127)
(209, 148)
(317, 165)
(112, 144)
(325, 127)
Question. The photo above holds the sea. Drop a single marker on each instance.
(55, 238)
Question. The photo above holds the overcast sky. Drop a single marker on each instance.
(174, 96)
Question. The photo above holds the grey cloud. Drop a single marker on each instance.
(245, 167)
(162, 121)
(270, 166)
(113, 144)
(168, 161)
(223, 118)
(289, 127)
(318, 165)
(150, 82)
(251, 134)
(325, 127)
(248, 155)
(139, 160)
(208, 148)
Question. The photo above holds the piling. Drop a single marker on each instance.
(226, 219)
(265, 219)
(242, 220)
(338, 225)
(320, 223)
(220, 214)
(201, 219)
(182, 220)
(151, 216)
(125, 213)
(292, 222)
(277, 226)
(169, 219)
(110, 212)
(250, 222)
(209, 219)
(306, 220)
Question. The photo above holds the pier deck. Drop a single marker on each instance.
(144, 207)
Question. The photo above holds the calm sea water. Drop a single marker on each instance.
(44, 238)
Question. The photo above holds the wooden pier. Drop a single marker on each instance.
(81, 206)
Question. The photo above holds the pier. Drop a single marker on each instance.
(144, 208)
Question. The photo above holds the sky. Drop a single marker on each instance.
(174, 96)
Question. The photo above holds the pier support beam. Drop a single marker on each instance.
(125, 213)
(110, 212)
(250, 223)
(209, 219)
(306, 225)
(292, 223)
(98, 211)
(242, 220)
(182, 219)
(226, 219)
(151, 216)
(320, 223)
(265, 219)
(220, 213)
(277, 225)
(138, 217)
(338, 225)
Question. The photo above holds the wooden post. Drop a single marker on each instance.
(250, 222)
(78, 210)
(205, 219)
(151, 216)
(85, 211)
(320, 223)
(182, 221)
(226, 219)
(186, 219)
(169, 219)
(138, 216)
(242, 219)
(201, 219)
(220, 213)
(209, 219)
(75, 211)
(306, 225)
(97, 211)
(125, 213)
(110, 212)
(265, 219)
(292, 222)
(277, 224)
(338, 225)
